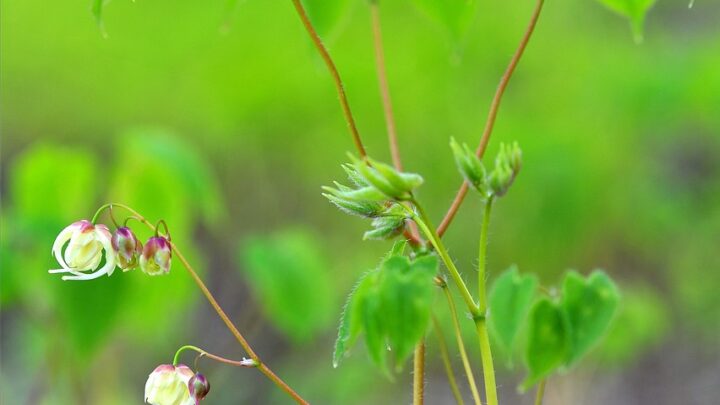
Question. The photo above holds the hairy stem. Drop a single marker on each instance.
(421, 218)
(487, 361)
(419, 374)
(492, 114)
(461, 347)
(540, 392)
(221, 313)
(446, 361)
(335, 75)
(482, 257)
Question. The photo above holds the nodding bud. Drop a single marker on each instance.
(127, 248)
(199, 387)
(156, 255)
(169, 384)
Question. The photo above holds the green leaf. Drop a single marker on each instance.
(510, 299)
(392, 305)
(289, 274)
(547, 341)
(589, 306)
(351, 320)
(634, 10)
(453, 15)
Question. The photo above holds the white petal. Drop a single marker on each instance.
(60, 241)
(104, 237)
(86, 276)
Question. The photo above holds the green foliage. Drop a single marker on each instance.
(454, 15)
(289, 274)
(392, 306)
(589, 305)
(561, 333)
(510, 299)
(634, 10)
(548, 341)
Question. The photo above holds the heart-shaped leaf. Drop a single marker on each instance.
(588, 307)
(510, 299)
(548, 341)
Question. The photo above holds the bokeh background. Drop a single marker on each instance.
(223, 121)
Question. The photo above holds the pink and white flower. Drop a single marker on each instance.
(86, 245)
(168, 385)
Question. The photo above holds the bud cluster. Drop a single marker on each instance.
(496, 183)
(377, 192)
(87, 251)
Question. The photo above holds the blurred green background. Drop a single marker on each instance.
(223, 121)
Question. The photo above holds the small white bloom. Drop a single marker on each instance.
(87, 244)
(168, 385)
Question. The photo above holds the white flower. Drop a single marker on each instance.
(168, 385)
(87, 245)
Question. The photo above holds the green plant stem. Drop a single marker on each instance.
(540, 392)
(461, 347)
(492, 114)
(335, 75)
(481, 322)
(203, 353)
(487, 362)
(482, 257)
(221, 313)
(423, 221)
(419, 374)
(446, 361)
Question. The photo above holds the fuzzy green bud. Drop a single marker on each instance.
(470, 167)
(507, 166)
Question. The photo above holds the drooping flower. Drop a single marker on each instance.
(156, 255)
(87, 246)
(199, 387)
(168, 385)
(127, 247)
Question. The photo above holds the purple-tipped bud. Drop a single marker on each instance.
(127, 248)
(156, 255)
(199, 386)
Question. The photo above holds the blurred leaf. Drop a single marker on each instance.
(53, 186)
(290, 276)
(325, 14)
(510, 299)
(634, 10)
(589, 306)
(548, 341)
(453, 15)
(640, 326)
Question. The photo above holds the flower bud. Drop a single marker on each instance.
(199, 387)
(127, 248)
(507, 166)
(390, 182)
(168, 385)
(156, 255)
(470, 167)
(388, 225)
(85, 246)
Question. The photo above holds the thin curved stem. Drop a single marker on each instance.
(487, 361)
(540, 392)
(221, 313)
(492, 114)
(335, 75)
(461, 347)
(419, 374)
(383, 83)
(247, 363)
(481, 323)
(446, 361)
